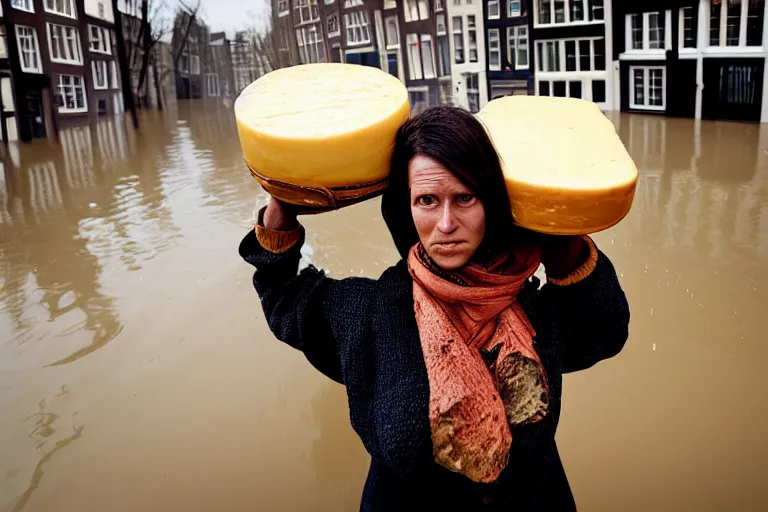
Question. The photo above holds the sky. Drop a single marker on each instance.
(232, 15)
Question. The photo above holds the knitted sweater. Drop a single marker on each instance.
(362, 333)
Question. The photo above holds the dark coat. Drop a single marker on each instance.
(362, 333)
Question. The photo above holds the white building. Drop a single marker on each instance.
(463, 21)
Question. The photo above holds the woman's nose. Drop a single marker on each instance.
(447, 222)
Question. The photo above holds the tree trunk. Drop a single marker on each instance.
(158, 90)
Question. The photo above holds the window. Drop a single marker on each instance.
(598, 52)
(549, 55)
(64, 44)
(493, 9)
(388, 4)
(577, 10)
(446, 98)
(418, 99)
(306, 11)
(391, 34)
(560, 11)
(333, 25)
(438, 5)
(544, 88)
(545, 12)
(100, 77)
(356, 24)
(582, 54)
(29, 51)
(392, 64)
(63, 7)
(416, 10)
(72, 92)
(352, 3)
(559, 89)
(458, 40)
(99, 39)
(647, 88)
(598, 91)
(212, 84)
(687, 28)
(513, 8)
(473, 92)
(574, 89)
(440, 22)
(444, 55)
(736, 22)
(472, 36)
(24, 5)
(494, 50)
(646, 31)
(310, 42)
(414, 57)
(427, 56)
(194, 64)
(585, 55)
(570, 56)
(3, 44)
(282, 8)
(598, 11)
(517, 37)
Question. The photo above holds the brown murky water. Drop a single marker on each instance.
(137, 373)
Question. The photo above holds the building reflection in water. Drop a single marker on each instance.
(701, 184)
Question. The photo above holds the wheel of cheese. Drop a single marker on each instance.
(321, 126)
(566, 169)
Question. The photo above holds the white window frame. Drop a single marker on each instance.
(391, 21)
(496, 14)
(646, 87)
(104, 40)
(209, 82)
(472, 34)
(493, 33)
(390, 4)
(588, 10)
(681, 30)
(52, 10)
(115, 80)
(194, 64)
(415, 71)
(357, 23)
(724, 26)
(352, 3)
(68, 32)
(60, 88)
(475, 92)
(665, 17)
(439, 5)
(23, 5)
(543, 51)
(428, 52)
(316, 41)
(3, 42)
(33, 39)
(283, 8)
(457, 29)
(516, 12)
(310, 8)
(332, 16)
(102, 64)
(513, 50)
(440, 21)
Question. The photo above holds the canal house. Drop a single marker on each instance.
(508, 48)
(467, 51)
(572, 41)
(58, 65)
(692, 58)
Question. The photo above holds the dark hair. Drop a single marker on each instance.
(457, 140)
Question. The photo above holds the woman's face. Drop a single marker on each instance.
(449, 218)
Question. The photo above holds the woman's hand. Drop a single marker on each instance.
(280, 216)
(562, 254)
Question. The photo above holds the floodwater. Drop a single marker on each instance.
(137, 372)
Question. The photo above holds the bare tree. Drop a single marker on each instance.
(186, 18)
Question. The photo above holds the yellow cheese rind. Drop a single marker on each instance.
(566, 169)
(322, 125)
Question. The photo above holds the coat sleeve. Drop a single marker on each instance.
(591, 316)
(307, 310)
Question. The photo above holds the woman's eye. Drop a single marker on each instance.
(465, 198)
(427, 200)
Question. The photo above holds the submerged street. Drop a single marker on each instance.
(137, 371)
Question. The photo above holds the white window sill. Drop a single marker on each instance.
(568, 24)
(522, 68)
(97, 88)
(283, 14)
(32, 70)
(103, 52)
(491, 68)
(32, 10)
(64, 110)
(647, 107)
(442, 33)
(514, 15)
(57, 13)
(644, 55)
(730, 50)
(359, 43)
(68, 62)
(393, 47)
(494, 17)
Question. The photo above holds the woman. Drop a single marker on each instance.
(453, 358)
